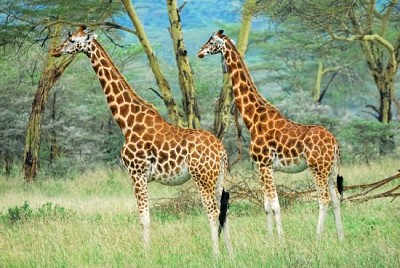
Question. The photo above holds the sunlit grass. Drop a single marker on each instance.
(92, 222)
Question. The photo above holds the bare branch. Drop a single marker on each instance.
(113, 41)
(182, 6)
(109, 25)
(156, 92)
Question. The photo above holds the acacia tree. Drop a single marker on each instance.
(37, 22)
(185, 71)
(52, 71)
(370, 23)
(163, 85)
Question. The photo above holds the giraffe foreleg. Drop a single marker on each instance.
(141, 194)
(271, 200)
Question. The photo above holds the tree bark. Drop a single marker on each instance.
(185, 74)
(51, 72)
(173, 111)
(54, 148)
(321, 72)
(222, 108)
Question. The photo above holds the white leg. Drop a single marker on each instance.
(227, 238)
(268, 211)
(323, 208)
(214, 236)
(277, 212)
(336, 210)
(144, 218)
(211, 206)
(141, 194)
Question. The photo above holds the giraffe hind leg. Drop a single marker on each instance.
(210, 203)
(321, 181)
(223, 210)
(336, 206)
(223, 221)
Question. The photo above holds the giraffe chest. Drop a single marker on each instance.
(288, 165)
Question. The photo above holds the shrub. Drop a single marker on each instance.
(19, 214)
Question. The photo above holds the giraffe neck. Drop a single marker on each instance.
(248, 99)
(122, 100)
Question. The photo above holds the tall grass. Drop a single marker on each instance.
(91, 221)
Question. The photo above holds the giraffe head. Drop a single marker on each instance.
(214, 45)
(78, 41)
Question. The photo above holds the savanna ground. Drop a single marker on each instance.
(90, 220)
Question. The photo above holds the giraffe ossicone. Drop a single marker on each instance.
(155, 150)
(278, 144)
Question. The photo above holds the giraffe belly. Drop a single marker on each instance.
(175, 177)
(289, 165)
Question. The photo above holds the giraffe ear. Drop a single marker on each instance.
(218, 40)
(90, 37)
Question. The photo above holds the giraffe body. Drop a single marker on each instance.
(155, 150)
(278, 144)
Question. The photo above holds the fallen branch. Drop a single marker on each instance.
(368, 188)
(247, 188)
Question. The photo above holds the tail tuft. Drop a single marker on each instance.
(339, 182)
(223, 210)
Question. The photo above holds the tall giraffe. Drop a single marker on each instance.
(155, 150)
(278, 144)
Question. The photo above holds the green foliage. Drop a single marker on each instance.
(23, 20)
(362, 138)
(19, 214)
(24, 213)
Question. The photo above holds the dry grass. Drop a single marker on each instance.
(97, 225)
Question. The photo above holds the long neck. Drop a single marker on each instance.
(122, 99)
(248, 99)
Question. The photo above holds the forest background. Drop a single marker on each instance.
(324, 66)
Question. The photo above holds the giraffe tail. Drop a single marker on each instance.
(223, 211)
(339, 183)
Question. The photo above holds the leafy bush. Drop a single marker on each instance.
(19, 214)
(362, 139)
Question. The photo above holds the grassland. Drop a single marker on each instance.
(91, 221)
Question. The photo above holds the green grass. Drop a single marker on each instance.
(91, 221)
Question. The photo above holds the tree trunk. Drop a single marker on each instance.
(318, 81)
(173, 111)
(382, 68)
(8, 161)
(222, 108)
(54, 148)
(385, 84)
(185, 74)
(397, 103)
(52, 71)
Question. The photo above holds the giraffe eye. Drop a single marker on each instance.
(72, 41)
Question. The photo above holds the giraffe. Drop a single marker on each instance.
(155, 150)
(278, 144)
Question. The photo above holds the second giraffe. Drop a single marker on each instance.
(278, 144)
